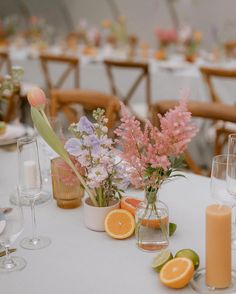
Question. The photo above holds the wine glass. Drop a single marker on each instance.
(231, 179)
(30, 186)
(11, 226)
(221, 164)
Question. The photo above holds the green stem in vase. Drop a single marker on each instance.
(162, 225)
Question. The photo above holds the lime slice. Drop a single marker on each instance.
(161, 259)
(189, 253)
(172, 229)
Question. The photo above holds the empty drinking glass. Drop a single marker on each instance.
(30, 185)
(11, 226)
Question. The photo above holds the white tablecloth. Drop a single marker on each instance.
(87, 262)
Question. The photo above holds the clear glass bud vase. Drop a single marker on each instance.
(152, 223)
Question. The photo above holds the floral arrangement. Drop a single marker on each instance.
(38, 29)
(9, 27)
(89, 154)
(190, 40)
(10, 83)
(115, 32)
(154, 155)
(93, 150)
(166, 37)
(150, 156)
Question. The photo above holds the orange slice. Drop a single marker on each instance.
(177, 272)
(130, 204)
(119, 224)
(155, 223)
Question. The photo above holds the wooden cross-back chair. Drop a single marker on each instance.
(213, 111)
(230, 48)
(72, 67)
(130, 65)
(5, 60)
(62, 100)
(209, 73)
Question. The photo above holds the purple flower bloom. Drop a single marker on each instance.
(84, 125)
(94, 143)
(73, 146)
(96, 176)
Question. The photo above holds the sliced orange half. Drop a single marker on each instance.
(177, 272)
(119, 224)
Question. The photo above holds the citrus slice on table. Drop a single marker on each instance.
(177, 272)
(130, 204)
(155, 223)
(192, 255)
(161, 259)
(119, 224)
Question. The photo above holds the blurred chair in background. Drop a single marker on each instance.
(5, 62)
(63, 100)
(223, 128)
(213, 111)
(230, 49)
(126, 99)
(72, 66)
(209, 73)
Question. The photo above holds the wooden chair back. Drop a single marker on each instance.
(5, 61)
(62, 100)
(129, 65)
(213, 111)
(72, 65)
(230, 48)
(208, 73)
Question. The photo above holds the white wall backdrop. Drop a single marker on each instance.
(216, 18)
(210, 16)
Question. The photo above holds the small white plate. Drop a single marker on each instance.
(14, 132)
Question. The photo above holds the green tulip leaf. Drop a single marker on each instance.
(47, 133)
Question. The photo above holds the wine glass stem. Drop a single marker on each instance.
(34, 226)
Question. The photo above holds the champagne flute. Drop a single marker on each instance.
(219, 183)
(30, 186)
(231, 179)
(219, 188)
(11, 226)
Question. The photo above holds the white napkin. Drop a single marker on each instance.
(12, 132)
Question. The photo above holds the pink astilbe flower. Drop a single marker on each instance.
(177, 129)
(150, 152)
(166, 36)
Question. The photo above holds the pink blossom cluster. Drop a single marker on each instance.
(153, 147)
(166, 36)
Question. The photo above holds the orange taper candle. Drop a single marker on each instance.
(218, 246)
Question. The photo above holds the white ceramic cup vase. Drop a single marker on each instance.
(94, 217)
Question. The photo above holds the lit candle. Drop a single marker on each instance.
(30, 174)
(218, 246)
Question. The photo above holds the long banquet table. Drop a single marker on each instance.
(83, 261)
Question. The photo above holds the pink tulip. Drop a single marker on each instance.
(36, 98)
